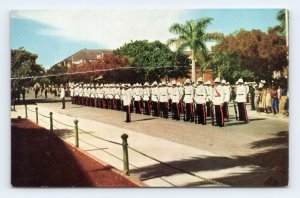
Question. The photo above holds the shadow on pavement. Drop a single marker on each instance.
(145, 119)
(268, 168)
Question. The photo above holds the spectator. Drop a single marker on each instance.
(274, 99)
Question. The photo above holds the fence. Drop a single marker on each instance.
(124, 145)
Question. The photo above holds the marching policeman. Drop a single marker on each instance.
(163, 99)
(155, 99)
(241, 98)
(218, 99)
(226, 90)
(209, 96)
(127, 102)
(188, 100)
(146, 98)
(200, 100)
(62, 96)
(175, 97)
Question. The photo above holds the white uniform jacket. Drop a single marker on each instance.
(218, 95)
(200, 94)
(163, 94)
(241, 93)
(175, 97)
(188, 94)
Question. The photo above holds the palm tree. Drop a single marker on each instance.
(281, 17)
(192, 35)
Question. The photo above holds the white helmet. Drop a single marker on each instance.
(217, 80)
(200, 79)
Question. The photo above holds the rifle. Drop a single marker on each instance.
(212, 114)
(235, 111)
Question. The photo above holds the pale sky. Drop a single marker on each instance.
(56, 34)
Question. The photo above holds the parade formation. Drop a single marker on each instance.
(195, 102)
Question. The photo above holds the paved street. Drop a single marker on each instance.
(238, 154)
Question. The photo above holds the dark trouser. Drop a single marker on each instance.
(128, 117)
(208, 108)
(147, 107)
(118, 103)
(155, 109)
(225, 110)
(201, 113)
(46, 95)
(164, 108)
(63, 103)
(252, 97)
(138, 107)
(189, 112)
(170, 104)
(242, 111)
(175, 111)
(219, 115)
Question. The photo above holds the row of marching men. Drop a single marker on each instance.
(195, 102)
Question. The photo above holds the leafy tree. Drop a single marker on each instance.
(255, 51)
(155, 59)
(23, 64)
(100, 67)
(58, 69)
(228, 67)
(192, 35)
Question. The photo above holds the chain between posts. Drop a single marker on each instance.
(125, 149)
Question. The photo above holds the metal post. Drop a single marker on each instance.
(76, 133)
(51, 122)
(125, 154)
(26, 116)
(36, 115)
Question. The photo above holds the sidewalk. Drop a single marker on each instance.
(222, 154)
(41, 159)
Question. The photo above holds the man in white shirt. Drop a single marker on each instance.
(241, 98)
(188, 100)
(163, 99)
(226, 99)
(218, 100)
(146, 98)
(127, 102)
(209, 94)
(175, 97)
(155, 99)
(62, 96)
(200, 100)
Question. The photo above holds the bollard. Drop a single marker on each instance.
(76, 133)
(26, 116)
(36, 115)
(51, 122)
(125, 154)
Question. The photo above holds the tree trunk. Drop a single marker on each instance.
(193, 67)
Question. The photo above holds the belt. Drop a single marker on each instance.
(240, 94)
(188, 94)
(217, 96)
(199, 95)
